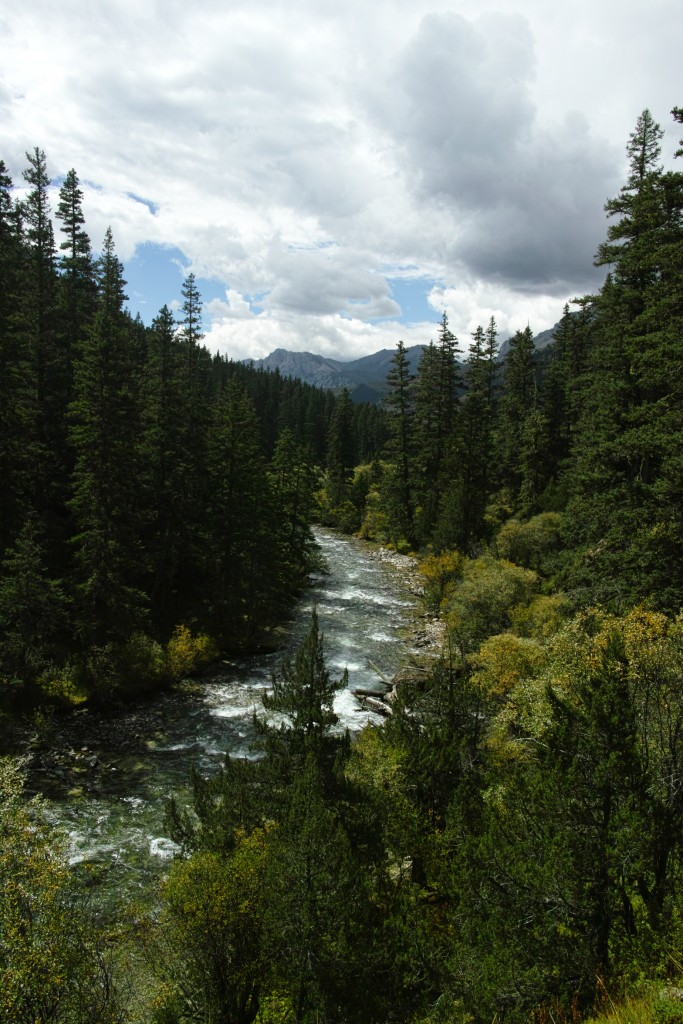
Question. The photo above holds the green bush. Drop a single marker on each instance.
(482, 601)
(668, 1011)
(528, 543)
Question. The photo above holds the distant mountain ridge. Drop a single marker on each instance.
(365, 378)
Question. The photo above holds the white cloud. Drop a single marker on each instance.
(304, 153)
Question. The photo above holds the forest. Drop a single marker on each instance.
(508, 846)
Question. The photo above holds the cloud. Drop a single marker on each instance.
(330, 335)
(307, 154)
(523, 200)
(328, 280)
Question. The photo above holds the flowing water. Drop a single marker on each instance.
(107, 780)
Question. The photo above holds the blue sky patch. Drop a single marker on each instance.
(155, 276)
(411, 294)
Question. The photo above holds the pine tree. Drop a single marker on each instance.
(77, 281)
(242, 579)
(50, 359)
(341, 448)
(630, 427)
(104, 434)
(292, 481)
(399, 485)
(18, 382)
(520, 427)
(438, 380)
(163, 457)
(463, 512)
(191, 463)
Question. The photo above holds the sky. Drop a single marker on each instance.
(337, 175)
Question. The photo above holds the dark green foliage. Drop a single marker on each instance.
(292, 481)
(341, 449)
(144, 463)
(463, 514)
(399, 488)
(163, 495)
(304, 692)
(18, 380)
(243, 574)
(318, 925)
(520, 427)
(630, 424)
(77, 289)
(32, 609)
(437, 384)
(104, 431)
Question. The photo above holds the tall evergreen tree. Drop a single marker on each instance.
(18, 381)
(463, 512)
(104, 435)
(631, 423)
(399, 484)
(243, 574)
(438, 380)
(341, 448)
(51, 367)
(77, 282)
(292, 481)
(163, 455)
(521, 428)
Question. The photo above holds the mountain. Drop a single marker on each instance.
(541, 341)
(366, 378)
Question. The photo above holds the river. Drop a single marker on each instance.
(106, 780)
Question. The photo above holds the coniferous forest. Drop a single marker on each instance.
(508, 846)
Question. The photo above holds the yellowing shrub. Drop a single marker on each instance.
(441, 573)
(186, 653)
(503, 661)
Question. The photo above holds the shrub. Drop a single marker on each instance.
(440, 573)
(528, 543)
(541, 617)
(62, 685)
(186, 653)
(483, 599)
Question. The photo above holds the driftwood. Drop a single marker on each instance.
(387, 682)
(376, 704)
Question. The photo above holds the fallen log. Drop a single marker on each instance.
(378, 705)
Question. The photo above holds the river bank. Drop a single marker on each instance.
(426, 633)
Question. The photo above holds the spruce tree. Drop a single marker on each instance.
(399, 484)
(77, 290)
(630, 428)
(292, 482)
(520, 427)
(463, 512)
(242, 578)
(18, 381)
(104, 434)
(341, 449)
(51, 368)
(437, 384)
(163, 455)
